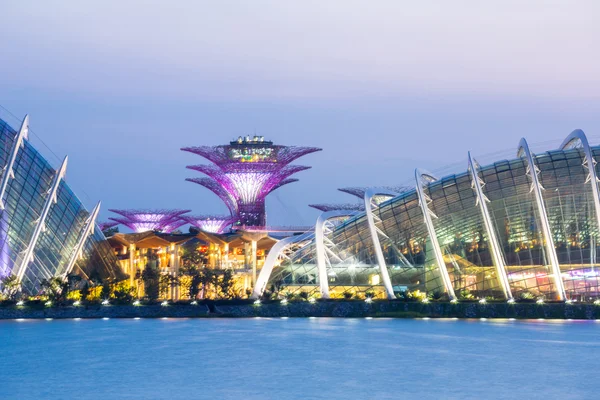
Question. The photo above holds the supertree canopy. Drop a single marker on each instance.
(107, 225)
(340, 206)
(210, 223)
(151, 220)
(360, 191)
(245, 171)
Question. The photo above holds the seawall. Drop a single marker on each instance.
(339, 309)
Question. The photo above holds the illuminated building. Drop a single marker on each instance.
(45, 231)
(210, 223)
(151, 220)
(525, 227)
(163, 251)
(245, 171)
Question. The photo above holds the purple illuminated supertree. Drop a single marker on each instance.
(151, 220)
(210, 223)
(336, 207)
(245, 171)
(360, 191)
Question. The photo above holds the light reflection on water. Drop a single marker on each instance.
(277, 358)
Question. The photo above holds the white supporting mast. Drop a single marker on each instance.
(578, 137)
(265, 273)
(320, 246)
(424, 201)
(477, 184)
(536, 188)
(9, 172)
(385, 276)
(41, 222)
(88, 230)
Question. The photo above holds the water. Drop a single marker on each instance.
(298, 359)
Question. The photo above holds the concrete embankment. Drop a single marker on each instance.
(340, 309)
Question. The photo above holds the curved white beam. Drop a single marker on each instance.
(267, 269)
(421, 178)
(477, 184)
(8, 171)
(536, 188)
(41, 222)
(368, 198)
(578, 137)
(88, 229)
(320, 246)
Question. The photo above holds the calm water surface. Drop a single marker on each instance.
(298, 359)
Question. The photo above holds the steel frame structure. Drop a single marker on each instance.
(274, 254)
(423, 178)
(40, 226)
(533, 173)
(321, 246)
(481, 200)
(374, 231)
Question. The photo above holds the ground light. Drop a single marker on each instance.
(453, 301)
(194, 303)
(596, 302)
(137, 303)
(48, 303)
(76, 303)
(510, 301)
(368, 300)
(257, 302)
(569, 301)
(482, 301)
(284, 301)
(312, 300)
(105, 302)
(425, 300)
(164, 303)
(21, 302)
(540, 301)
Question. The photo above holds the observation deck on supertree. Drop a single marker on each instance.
(245, 171)
(210, 223)
(151, 220)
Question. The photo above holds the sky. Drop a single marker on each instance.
(382, 86)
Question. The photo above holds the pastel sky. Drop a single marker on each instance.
(382, 86)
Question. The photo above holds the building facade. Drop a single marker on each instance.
(526, 227)
(45, 231)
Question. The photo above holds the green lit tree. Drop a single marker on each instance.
(10, 287)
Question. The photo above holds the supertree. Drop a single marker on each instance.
(151, 220)
(360, 191)
(107, 225)
(210, 223)
(340, 206)
(245, 171)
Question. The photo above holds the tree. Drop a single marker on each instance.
(226, 283)
(167, 282)
(106, 292)
(192, 258)
(10, 287)
(123, 292)
(56, 289)
(151, 278)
